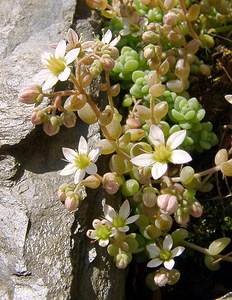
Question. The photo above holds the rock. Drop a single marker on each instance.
(44, 251)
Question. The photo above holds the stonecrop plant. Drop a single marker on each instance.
(151, 127)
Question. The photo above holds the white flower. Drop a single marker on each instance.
(102, 232)
(120, 220)
(80, 162)
(164, 255)
(163, 153)
(57, 66)
(107, 37)
(228, 98)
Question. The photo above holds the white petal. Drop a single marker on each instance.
(91, 169)
(79, 175)
(153, 250)
(83, 146)
(68, 170)
(176, 139)
(132, 219)
(154, 263)
(123, 229)
(72, 55)
(228, 98)
(45, 56)
(124, 210)
(60, 49)
(115, 41)
(109, 212)
(103, 243)
(42, 75)
(63, 76)
(169, 264)
(94, 154)
(143, 160)
(50, 82)
(69, 154)
(156, 135)
(180, 157)
(158, 170)
(107, 37)
(167, 243)
(177, 251)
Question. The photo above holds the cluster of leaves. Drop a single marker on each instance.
(155, 128)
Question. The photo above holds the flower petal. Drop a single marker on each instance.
(167, 243)
(177, 251)
(153, 250)
(123, 229)
(103, 243)
(176, 139)
(155, 262)
(68, 170)
(107, 37)
(94, 154)
(132, 219)
(124, 210)
(109, 212)
(158, 170)
(180, 157)
(50, 82)
(60, 49)
(83, 146)
(91, 169)
(169, 264)
(69, 154)
(72, 55)
(79, 175)
(65, 74)
(156, 135)
(143, 160)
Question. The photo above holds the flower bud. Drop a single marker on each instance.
(149, 196)
(167, 203)
(61, 193)
(161, 277)
(122, 260)
(68, 119)
(196, 209)
(226, 168)
(31, 94)
(92, 182)
(37, 117)
(111, 182)
(170, 18)
(182, 216)
(51, 126)
(72, 201)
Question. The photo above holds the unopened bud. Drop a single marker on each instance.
(68, 119)
(167, 203)
(92, 182)
(51, 126)
(31, 94)
(111, 183)
(37, 117)
(196, 209)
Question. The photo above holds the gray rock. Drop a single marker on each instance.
(44, 251)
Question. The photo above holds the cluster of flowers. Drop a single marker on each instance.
(149, 149)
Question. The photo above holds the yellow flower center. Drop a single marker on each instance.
(119, 222)
(162, 154)
(165, 255)
(82, 161)
(103, 232)
(56, 65)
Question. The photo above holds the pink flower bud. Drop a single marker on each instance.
(69, 119)
(161, 277)
(61, 193)
(196, 209)
(170, 18)
(182, 216)
(51, 126)
(111, 183)
(133, 123)
(37, 117)
(167, 203)
(31, 94)
(72, 201)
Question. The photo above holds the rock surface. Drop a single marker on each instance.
(44, 253)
